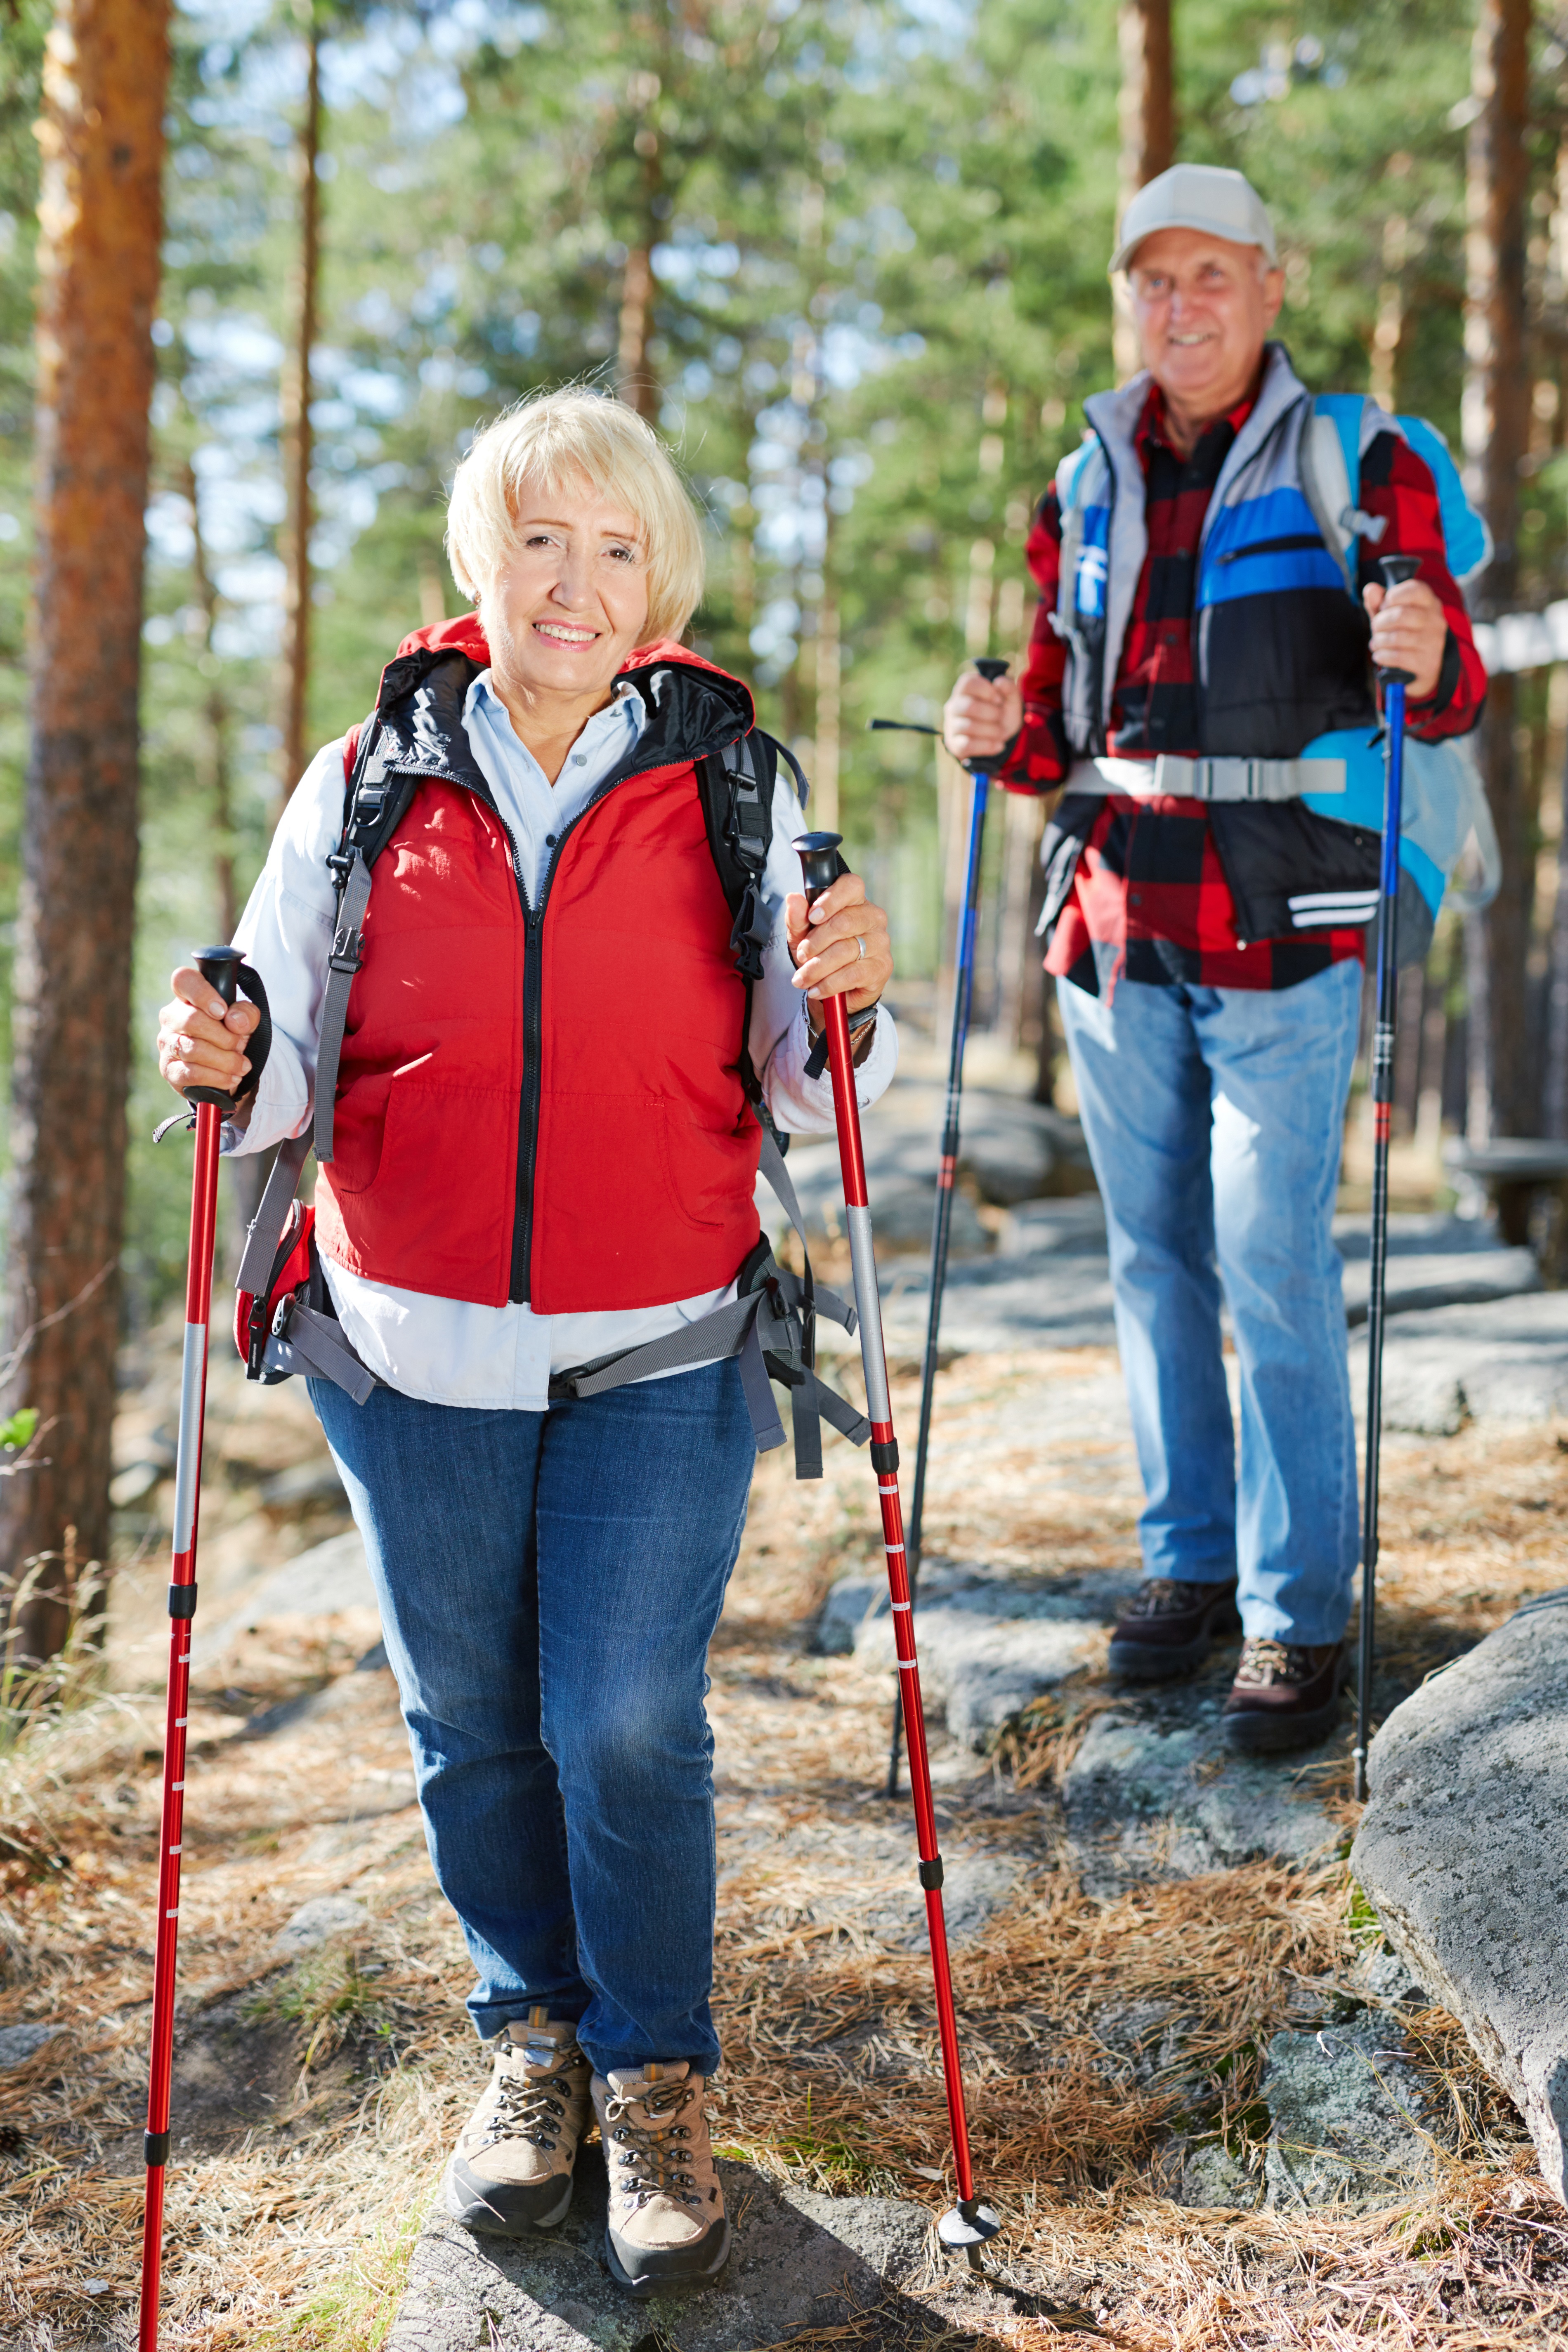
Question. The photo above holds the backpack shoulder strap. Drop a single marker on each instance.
(1331, 440)
(374, 805)
(737, 786)
(1075, 477)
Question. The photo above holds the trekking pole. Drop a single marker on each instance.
(946, 1179)
(219, 966)
(1393, 568)
(969, 2223)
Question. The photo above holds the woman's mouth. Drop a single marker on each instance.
(564, 633)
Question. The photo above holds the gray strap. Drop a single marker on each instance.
(707, 1340)
(341, 966)
(771, 1161)
(265, 1229)
(310, 1342)
(839, 1412)
(767, 1426)
(1208, 779)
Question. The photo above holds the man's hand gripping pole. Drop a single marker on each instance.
(969, 2223)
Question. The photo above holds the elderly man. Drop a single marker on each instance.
(1208, 942)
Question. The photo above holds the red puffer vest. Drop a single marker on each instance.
(542, 1103)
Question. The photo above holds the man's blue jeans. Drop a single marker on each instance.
(1213, 1118)
(549, 1583)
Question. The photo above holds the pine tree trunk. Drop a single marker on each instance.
(1496, 416)
(1147, 113)
(216, 713)
(101, 214)
(637, 384)
(298, 439)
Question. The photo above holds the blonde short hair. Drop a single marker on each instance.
(554, 438)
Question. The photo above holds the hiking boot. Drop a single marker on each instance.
(512, 2171)
(1167, 1628)
(666, 2225)
(1284, 1695)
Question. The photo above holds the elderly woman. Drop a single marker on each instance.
(543, 1155)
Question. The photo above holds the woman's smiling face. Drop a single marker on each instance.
(570, 601)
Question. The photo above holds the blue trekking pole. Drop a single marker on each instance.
(947, 1171)
(1394, 569)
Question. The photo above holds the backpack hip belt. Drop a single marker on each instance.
(1208, 780)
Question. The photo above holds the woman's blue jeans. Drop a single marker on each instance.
(1213, 1118)
(549, 1583)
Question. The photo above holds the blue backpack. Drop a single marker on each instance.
(1445, 800)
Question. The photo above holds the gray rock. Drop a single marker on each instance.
(800, 2261)
(1212, 2178)
(1345, 2118)
(316, 1923)
(1507, 1362)
(988, 1643)
(133, 1484)
(306, 1483)
(1386, 1979)
(324, 1581)
(1461, 1853)
(20, 2042)
(1165, 1799)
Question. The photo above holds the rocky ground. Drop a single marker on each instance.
(1210, 2106)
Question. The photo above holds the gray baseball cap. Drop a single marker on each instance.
(1196, 196)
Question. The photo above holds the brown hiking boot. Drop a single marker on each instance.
(1168, 1626)
(1284, 1695)
(512, 2171)
(667, 2222)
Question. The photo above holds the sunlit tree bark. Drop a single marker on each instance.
(99, 213)
(1147, 114)
(1495, 418)
(298, 445)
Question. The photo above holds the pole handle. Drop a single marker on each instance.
(818, 855)
(989, 668)
(219, 966)
(1396, 569)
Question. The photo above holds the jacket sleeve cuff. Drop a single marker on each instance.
(1447, 684)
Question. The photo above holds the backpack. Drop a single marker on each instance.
(1445, 802)
(284, 1319)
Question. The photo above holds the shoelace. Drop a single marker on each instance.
(650, 2162)
(1265, 1661)
(533, 2108)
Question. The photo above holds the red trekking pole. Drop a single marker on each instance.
(219, 966)
(969, 2223)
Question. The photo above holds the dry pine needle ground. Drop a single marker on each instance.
(316, 2102)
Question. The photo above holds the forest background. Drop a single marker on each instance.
(850, 255)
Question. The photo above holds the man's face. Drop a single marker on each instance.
(1203, 308)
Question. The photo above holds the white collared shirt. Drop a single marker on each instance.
(445, 1350)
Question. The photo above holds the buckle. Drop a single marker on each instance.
(346, 945)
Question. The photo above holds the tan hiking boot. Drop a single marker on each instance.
(666, 2225)
(512, 2171)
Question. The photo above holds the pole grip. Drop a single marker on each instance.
(818, 855)
(989, 668)
(219, 966)
(1396, 569)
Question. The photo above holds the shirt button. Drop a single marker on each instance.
(550, 841)
(579, 759)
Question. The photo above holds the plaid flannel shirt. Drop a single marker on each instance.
(1150, 890)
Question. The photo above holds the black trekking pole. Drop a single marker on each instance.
(969, 2223)
(1394, 569)
(219, 966)
(947, 1168)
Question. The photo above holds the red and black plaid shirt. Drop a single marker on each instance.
(1149, 886)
